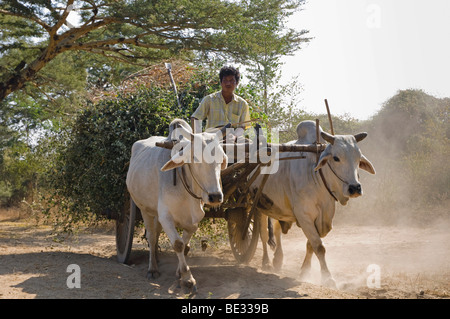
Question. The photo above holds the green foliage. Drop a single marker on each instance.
(263, 52)
(17, 167)
(138, 32)
(22, 165)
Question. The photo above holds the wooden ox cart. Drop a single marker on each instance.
(239, 206)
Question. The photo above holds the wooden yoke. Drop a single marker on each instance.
(312, 148)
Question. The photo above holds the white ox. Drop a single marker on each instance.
(299, 193)
(150, 182)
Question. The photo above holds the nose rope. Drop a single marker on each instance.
(196, 181)
(322, 177)
(326, 185)
(183, 180)
(343, 181)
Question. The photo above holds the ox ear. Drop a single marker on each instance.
(323, 159)
(224, 162)
(176, 161)
(366, 165)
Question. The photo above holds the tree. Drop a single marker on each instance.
(36, 32)
(48, 61)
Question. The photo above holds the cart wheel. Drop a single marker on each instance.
(243, 241)
(125, 232)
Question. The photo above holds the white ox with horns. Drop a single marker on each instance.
(163, 202)
(299, 194)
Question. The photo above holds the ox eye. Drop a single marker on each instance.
(336, 159)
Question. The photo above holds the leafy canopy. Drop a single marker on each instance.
(138, 32)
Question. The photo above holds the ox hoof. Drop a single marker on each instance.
(153, 274)
(277, 268)
(329, 283)
(183, 288)
(190, 286)
(277, 264)
(267, 267)
(304, 274)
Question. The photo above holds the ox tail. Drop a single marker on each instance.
(271, 240)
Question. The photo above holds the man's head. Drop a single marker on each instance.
(227, 71)
(229, 78)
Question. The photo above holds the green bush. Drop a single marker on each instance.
(20, 166)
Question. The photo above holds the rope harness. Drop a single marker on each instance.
(185, 184)
(326, 185)
(325, 182)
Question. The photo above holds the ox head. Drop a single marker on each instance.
(204, 158)
(341, 159)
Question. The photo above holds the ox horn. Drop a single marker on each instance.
(360, 136)
(327, 137)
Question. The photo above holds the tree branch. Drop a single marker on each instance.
(104, 43)
(114, 57)
(76, 33)
(62, 18)
(32, 18)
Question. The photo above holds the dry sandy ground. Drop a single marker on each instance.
(413, 263)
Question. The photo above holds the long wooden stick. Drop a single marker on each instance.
(317, 140)
(174, 86)
(329, 117)
(240, 123)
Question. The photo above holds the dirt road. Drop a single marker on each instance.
(410, 262)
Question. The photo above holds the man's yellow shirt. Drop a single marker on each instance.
(219, 113)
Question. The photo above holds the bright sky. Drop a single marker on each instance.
(364, 51)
